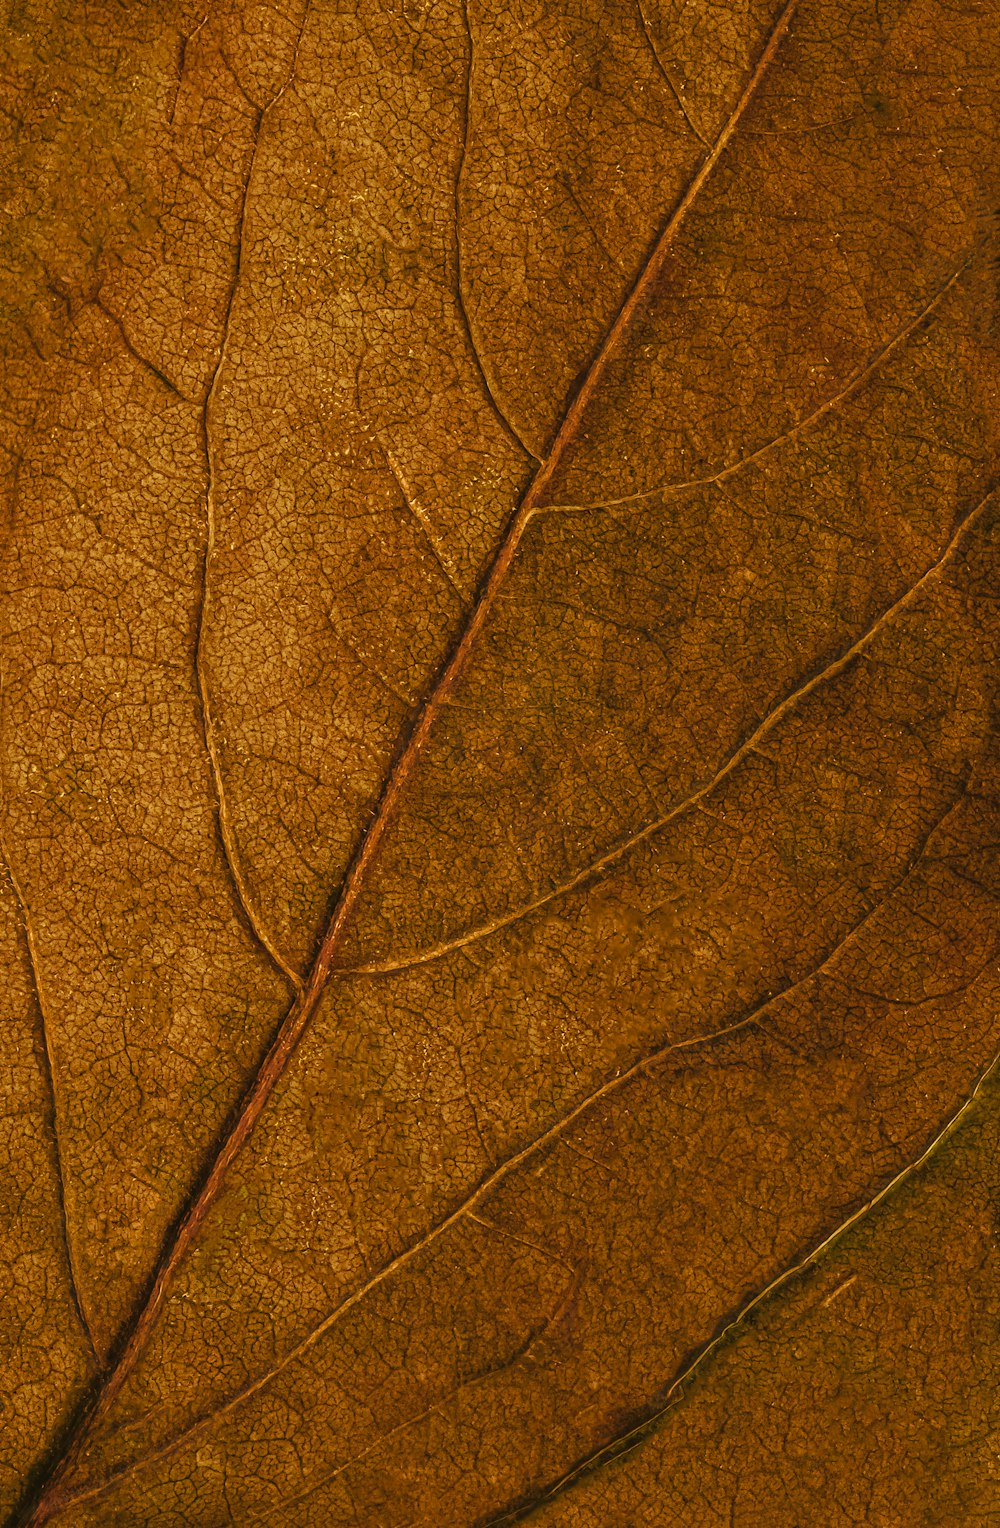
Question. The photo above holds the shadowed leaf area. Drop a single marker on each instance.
(500, 799)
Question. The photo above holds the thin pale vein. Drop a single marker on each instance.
(227, 834)
(296, 1021)
(649, 829)
(49, 1067)
(553, 1133)
(413, 506)
(853, 384)
(661, 66)
(461, 302)
(534, 1336)
(631, 1439)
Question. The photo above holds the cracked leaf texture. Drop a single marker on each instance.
(500, 799)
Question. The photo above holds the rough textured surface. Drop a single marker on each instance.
(885, 1353)
(499, 900)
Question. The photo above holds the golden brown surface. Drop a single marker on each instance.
(499, 902)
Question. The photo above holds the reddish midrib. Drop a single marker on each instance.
(53, 1491)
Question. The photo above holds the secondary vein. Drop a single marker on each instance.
(227, 834)
(53, 1489)
(617, 1446)
(853, 385)
(595, 868)
(555, 1132)
(49, 1068)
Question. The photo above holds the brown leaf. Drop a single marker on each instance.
(500, 795)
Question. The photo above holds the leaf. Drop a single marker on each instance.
(876, 1338)
(498, 759)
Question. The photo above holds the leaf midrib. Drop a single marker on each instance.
(553, 1132)
(51, 1492)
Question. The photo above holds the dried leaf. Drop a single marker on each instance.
(499, 781)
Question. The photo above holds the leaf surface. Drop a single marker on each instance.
(498, 751)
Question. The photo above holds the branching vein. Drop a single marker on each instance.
(227, 834)
(661, 66)
(674, 1394)
(554, 1133)
(55, 1487)
(75, 1287)
(773, 719)
(412, 504)
(460, 297)
(851, 386)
